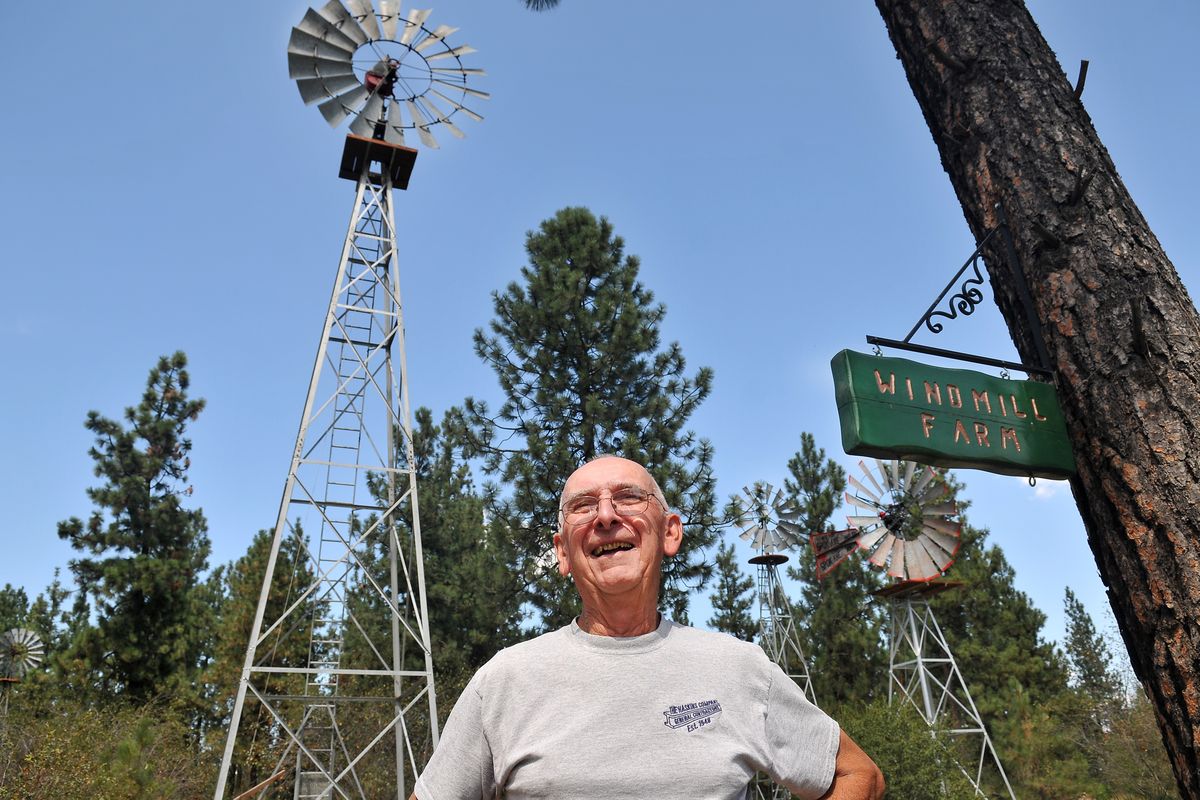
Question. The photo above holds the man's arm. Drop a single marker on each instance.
(855, 776)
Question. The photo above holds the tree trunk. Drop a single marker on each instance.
(1120, 331)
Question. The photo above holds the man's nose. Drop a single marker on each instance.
(606, 514)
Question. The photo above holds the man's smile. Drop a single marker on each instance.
(611, 547)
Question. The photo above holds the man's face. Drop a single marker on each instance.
(586, 549)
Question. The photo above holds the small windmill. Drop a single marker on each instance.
(21, 652)
(358, 711)
(773, 528)
(910, 530)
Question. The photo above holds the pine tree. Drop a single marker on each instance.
(842, 622)
(733, 597)
(576, 349)
(1089, 661)
(14, 607)
(1098, 697)
(146, 552)
(470, 562)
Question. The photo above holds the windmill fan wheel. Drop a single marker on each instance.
(909, 528)
(20, 652)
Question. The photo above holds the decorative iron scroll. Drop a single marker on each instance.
(965, 301)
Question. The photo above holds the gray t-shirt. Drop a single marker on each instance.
(676, 713)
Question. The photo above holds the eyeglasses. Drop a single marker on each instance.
(628, 502)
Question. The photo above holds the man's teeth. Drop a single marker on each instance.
(607, 548)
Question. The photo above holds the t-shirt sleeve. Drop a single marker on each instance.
(461, 766)
(802, 741)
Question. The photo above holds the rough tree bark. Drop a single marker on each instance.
(1120, 330)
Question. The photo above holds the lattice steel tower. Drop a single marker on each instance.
(773, 528)
(336, 697)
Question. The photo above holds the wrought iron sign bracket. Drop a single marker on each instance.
(965, 301)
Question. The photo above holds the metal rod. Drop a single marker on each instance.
(937, 351)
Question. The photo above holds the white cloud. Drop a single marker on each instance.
(1045, 489)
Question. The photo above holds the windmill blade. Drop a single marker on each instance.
(789, 514)
(443, 118)
(884, 475)
(880, 557)
(458, 106)
(941, 509)
(945, 526)
(863, 490)
(866, 505)
(307, 44)
(867, 472)
(365, 16)
(318, 27)
(918, 564)
(928, 474)
(909, 468)
(371, 115)
(412, 26)
(934, 491)
(748, 533)
(459, 70)
(869, 540)
(461, 50)
(393, 132)
(305, 65)
(389, 15)
(337, 109)
(940, 555)
(943, 540)
(791, 528)
(864, 522)
(894, 475)
(436, 35)
(336, 15)
(896, 564)
(313, 90)
(421, 124)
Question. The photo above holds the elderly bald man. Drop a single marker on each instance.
(624, 703)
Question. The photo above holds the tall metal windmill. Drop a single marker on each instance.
(771, 527)
(338, 679)
(910, 531)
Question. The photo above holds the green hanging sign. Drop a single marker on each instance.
(896, 408)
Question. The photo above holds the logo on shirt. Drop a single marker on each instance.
(692, 715)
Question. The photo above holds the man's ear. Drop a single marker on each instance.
(560, 550)
(672, 535)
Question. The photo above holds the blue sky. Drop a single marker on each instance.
(164, 188)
